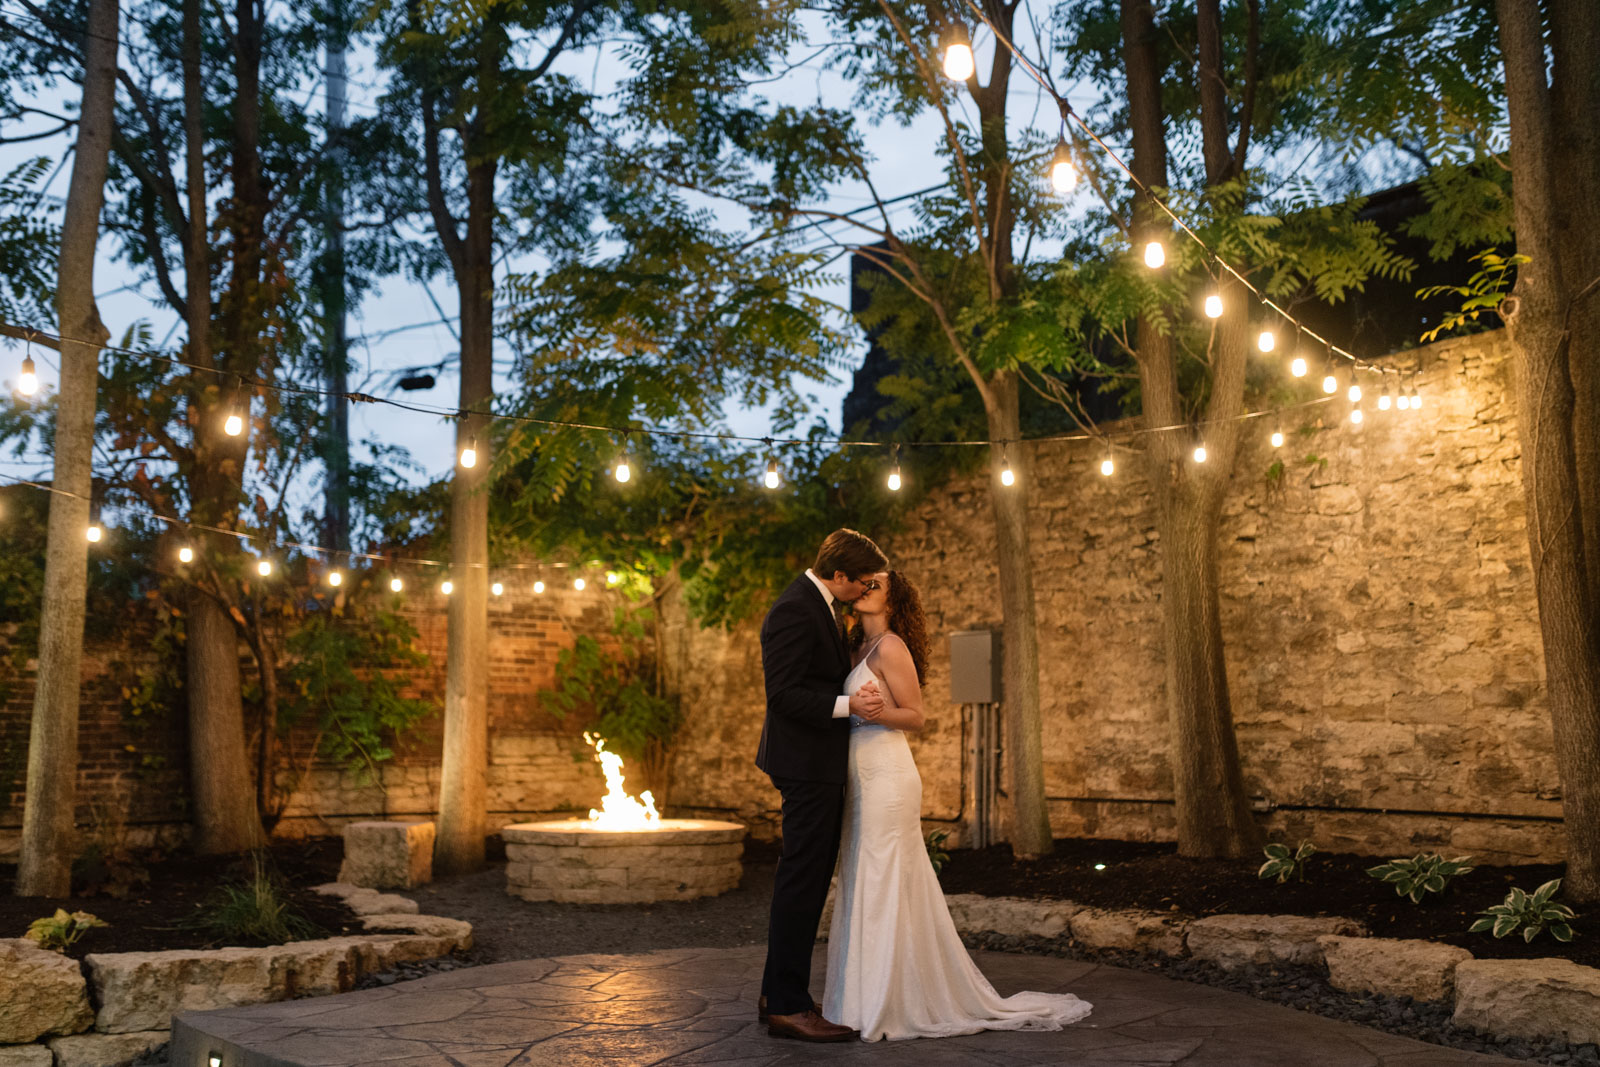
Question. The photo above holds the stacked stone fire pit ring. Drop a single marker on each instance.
(572, 861)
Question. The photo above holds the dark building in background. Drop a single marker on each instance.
(1384, 317)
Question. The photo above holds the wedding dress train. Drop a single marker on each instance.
(896, 965)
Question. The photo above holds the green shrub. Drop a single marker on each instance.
(255, 911)
(1528, 912)
(1283, 864)
(60, 930)
(935, 846)
(1424, 873)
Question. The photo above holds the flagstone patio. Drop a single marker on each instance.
(697, 1006)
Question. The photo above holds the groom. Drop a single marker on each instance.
(805, 745)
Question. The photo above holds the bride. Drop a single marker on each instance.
(896, 966)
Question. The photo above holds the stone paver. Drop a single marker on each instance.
(697, 1006)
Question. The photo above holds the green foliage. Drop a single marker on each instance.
(1482, 293)
(1424, 873)
(28, 246)
(615, 686)
(255, 911)
(1283, 864)
(58, 932)
(934, 843)
(342, 683)
(1531, 913)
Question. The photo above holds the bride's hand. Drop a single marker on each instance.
(867, 702)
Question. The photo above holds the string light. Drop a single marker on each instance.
(1213, 305)
(538, 587)
(185, 554)
(264, 568)
(1277, 437)
(1200, 453)
(1268, 340)
(1155, 255)
(497, 589)
(469, 455)
(94, 533)
(894, 475)
(1063, 176)
(771, 479)
(1356, 416)
(447, 587)
(335, 579)
(1008, 477)
(396, 584)
(613, 578)
(28, 380)
(579, 584)
(1297, 366)
(1386, 400)
(1330, 384)
(1416, 397)
(233, 425)
(958, 62)
(624, 470)
(1354, 392)
(1108, 466)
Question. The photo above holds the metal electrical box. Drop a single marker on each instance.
(975, 667)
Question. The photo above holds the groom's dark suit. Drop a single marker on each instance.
(805, 750)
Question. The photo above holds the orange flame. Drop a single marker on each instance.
(619, 811)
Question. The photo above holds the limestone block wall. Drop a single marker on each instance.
(1382, 639)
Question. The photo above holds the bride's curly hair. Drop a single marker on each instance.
(905, 619)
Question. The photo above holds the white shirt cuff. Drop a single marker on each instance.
(841, 708)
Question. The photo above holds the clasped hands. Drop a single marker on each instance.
(866, 701)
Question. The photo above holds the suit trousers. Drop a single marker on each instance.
(813, 817)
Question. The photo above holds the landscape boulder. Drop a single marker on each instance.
(105, 1050)
(1544, 998)
(41, 993)
(25, 1056)
(1234, 941)
(364, 901)
(1421, 970)
(1130, 930)
(1010, 916)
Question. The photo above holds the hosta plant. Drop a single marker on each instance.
(1528, 912)
(60, 930)
(1424, 873)
(1284, 864)
(936, 853)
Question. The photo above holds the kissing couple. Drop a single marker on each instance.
(834, 744)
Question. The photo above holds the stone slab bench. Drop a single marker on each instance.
(387, 855)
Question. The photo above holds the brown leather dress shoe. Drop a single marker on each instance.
(761, 1009)
(808, 1026)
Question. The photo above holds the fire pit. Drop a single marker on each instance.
(624, 853)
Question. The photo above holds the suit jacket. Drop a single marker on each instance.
(804, 662)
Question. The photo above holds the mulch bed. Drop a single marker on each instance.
(160, 913)
(1153, 877)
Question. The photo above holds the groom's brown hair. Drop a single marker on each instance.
(851, 552)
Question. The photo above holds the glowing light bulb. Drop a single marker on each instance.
(624, 471)
(94, 533)
(1107, 467)
(469, 455)
(1354, 393)
(234, 425)
(894, 480)
(28, 380)
(1330, 384)
(1155, 254)
(1277, 438)
(771, 478)
(496, 589)
(1385, 401)
(335, 579)
(395, 585)
(1402, 401)
(1099, 866)
(213, 1060)
(264, 568)
(612, 577)
(1356, 416)
(1213, 306)
(1416, 399)
(958, 61)
(1297, 367)
(538, 587)
(447, 587)
(579, 584)
(1063, 176)
(185, 554)
(1200, 453)
(1267, 341)
(1008, 477)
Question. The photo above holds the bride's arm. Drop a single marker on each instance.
(900, 674)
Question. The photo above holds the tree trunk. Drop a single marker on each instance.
(1019, 643)
(463, 790)
(44, 864)
(1212, 807)
(331, 280)
(219, 768)
(1537, 322)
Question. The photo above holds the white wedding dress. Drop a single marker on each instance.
(896, 966)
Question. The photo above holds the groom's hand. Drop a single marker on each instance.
(866, 702)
